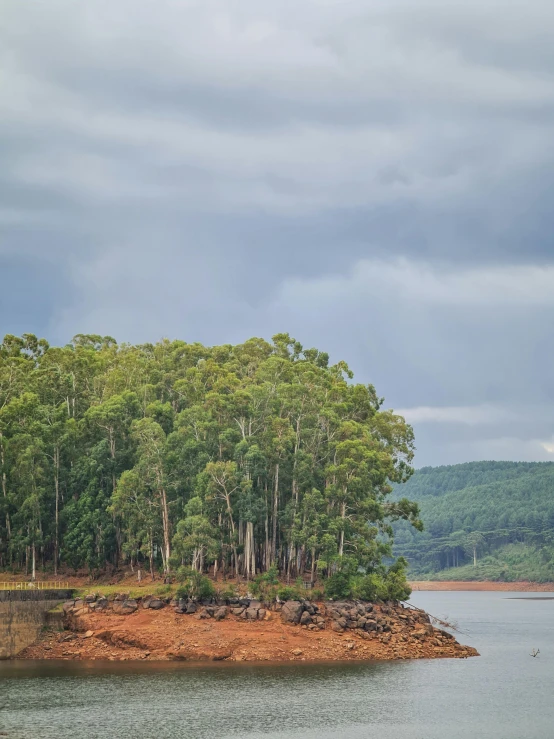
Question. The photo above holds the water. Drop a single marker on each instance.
(505, 693)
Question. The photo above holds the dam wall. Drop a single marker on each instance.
(23, 615)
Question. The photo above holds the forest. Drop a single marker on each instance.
(231, 460)
(483, 521)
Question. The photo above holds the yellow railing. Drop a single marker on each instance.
(39, 585)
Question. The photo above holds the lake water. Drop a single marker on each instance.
(505, 693)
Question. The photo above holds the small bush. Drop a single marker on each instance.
(227, 592)
(162, 590)
(194, 585)
(265, 586)
(339, 586)
(289, 592)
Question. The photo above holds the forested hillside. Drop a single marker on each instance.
(483, 520)
(226, 458)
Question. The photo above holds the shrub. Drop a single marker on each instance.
(289, 592)
(339, 585)
(265, 586)
(194, 585)
(227, 592)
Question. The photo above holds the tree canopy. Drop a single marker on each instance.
(235, 458)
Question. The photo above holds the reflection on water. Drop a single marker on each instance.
(504, 693)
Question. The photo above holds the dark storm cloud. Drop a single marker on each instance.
(374, 177)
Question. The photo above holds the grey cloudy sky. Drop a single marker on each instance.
(373, 176)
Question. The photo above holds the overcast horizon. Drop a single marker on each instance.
(373, 178)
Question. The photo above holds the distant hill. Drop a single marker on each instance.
(483, 521)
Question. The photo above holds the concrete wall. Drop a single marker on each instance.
(23, 614)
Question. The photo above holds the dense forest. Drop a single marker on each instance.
(483, 520)
(227, 459)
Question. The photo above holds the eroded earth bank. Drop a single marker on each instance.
(238, 630)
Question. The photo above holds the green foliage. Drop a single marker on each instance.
(290, 592)
(339, 585)
(477, 515)
(227, 592)
(248, 458)
(265, 585)
(194, 585)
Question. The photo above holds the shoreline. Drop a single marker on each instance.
(349, 631)
(484, 585)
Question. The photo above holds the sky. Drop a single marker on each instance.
(374, 177)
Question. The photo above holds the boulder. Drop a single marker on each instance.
(220, 613)
(125, 607)
(262, 613)
(90, 598)
(291, 613)
(102, 604)
(237, 611)
(156, 604)
(121, 596)
(191, 608)
(252, 614)
(68, 606)
(305, 619)
(337, 627)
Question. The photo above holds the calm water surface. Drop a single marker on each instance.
(505, 693)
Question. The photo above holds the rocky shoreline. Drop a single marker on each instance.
(242, 629)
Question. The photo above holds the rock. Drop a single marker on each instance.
(245, 602)
(370, 625)
(305, 619)
(124, 608)
(252, 614)
(262, 613)
(291, 612)
(191, 608)
(297, 652)
(68, 606)
(203, 614)
(156, 604)
(337, 627)
(90, 598)
(121, 596)
(102, 604)
(89, 634)
(221, 655)
(220, 613)
(237, 611)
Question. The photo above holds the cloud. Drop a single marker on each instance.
(374, 177)
(467, 415)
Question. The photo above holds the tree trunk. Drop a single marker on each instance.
(57, 488)
(165, 521)
(275, 513)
